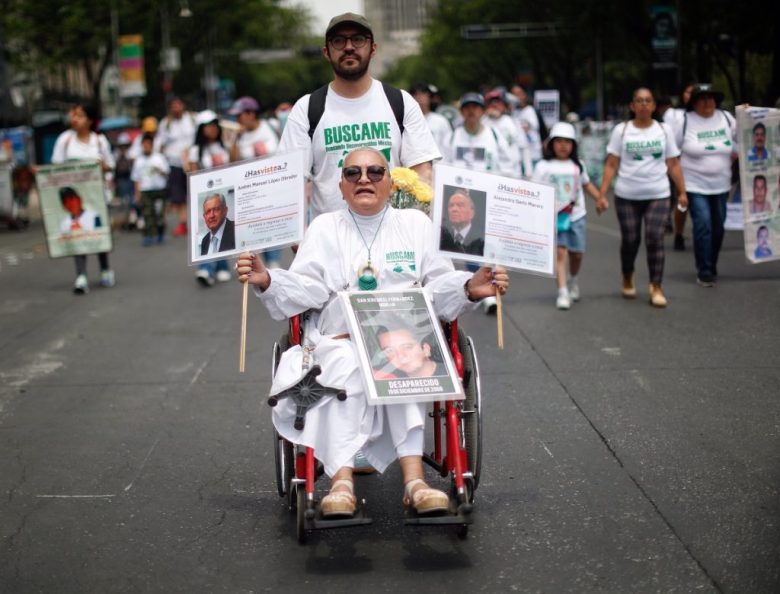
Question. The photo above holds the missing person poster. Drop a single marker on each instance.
(758, 130)
(490, 219)
(253, 205)
(74, 210)
(401, 347)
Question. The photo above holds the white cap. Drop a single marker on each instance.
(205, 117)
(563, 130)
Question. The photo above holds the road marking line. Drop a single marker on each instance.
(141, 468)
(75, 496)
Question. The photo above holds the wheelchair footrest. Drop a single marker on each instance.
(321, 523)
(459, 516)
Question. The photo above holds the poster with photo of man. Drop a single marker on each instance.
(253, 205)
(73, 205)
(401, 347)
(758, 130)
(487, 219)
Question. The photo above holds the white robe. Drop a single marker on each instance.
(328, 261)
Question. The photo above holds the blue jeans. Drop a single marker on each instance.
(214, 267)
(708, 213)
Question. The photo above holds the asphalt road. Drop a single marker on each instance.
(627, 449)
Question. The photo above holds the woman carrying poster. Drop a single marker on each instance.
(82, 143)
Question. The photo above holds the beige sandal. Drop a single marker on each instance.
(424, 499)
(339, 503)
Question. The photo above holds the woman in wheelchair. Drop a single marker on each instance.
(368, 245)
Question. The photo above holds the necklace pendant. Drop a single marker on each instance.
(367, 279)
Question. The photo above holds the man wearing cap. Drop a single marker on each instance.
(255, 139)
(439, 125)
(175, 135)
(357, 112)
(148, 126)
(474, 145)
(497, 117)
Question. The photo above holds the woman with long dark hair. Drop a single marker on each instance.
(643, 154)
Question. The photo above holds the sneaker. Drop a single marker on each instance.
(628, 290)
(362, 465)
(705, 280)
(679, 243)
(81, 286)
(107, 278)
(489, 305)
(563, 301)
(223, 276)
(657, 298)
(181, 229)
(147, 242)
(204, 278)
(574, 289)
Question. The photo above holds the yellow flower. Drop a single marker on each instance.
(422, 191)
(403, 178)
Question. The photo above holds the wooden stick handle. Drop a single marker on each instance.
(242, 349)
(499, 320)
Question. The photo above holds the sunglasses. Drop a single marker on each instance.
(339, 42)
(374, 173)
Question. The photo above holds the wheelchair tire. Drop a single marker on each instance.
(472, 407)
(284, 457)
(300, 514)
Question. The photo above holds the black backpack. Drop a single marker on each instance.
(317, 106)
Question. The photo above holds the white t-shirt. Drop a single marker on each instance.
(569, 181)
(258, 142)
(174, 137)
(673, 115)
(643, 152)
(529, 121)
(347, 124)
(150, 172)
(484, 151)
(440, 128)
(214, 155)
(516, 138)
(706, 151)
(68, 147)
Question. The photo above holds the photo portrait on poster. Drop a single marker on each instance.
(401, 347)
(463, 222)
(253, 205)
(73, 204)
(759, 179)
(507, 221)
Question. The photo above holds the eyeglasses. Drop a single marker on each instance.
(374, 173)
(339, 42)
(645, 100)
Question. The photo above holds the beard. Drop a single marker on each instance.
(351, 73)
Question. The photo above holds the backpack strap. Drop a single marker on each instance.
(317, 106)
(396, 100)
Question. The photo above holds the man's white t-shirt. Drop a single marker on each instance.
(174, 137)
(529, 122)
(568, 179)
(517, 140)
(347, 124)
(440, 128)
(484, 151)
(643, 152)
(706, 151)
(258, 142)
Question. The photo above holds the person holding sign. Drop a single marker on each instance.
(368, 245)
(82, 143)
(642, 153)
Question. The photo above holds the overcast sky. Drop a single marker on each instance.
(324, 10)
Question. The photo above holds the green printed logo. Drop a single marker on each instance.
(401, 258)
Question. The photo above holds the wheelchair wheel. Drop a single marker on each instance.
(471, 416)
(284, 457)
(300, 513)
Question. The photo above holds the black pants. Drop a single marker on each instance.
(81, 263)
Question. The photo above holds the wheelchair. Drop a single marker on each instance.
(456, 440)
